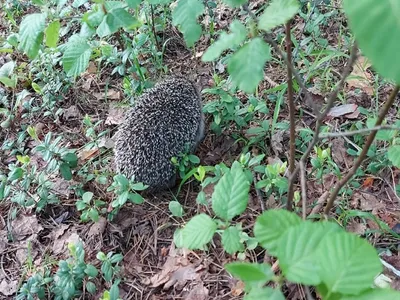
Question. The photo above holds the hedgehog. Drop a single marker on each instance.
(165, 121)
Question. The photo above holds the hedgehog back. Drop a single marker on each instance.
(158, 127)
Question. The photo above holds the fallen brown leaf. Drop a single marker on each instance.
(360, 77)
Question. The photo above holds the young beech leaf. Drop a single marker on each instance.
(246, 66)
(231, 240)
(270, 227)
(198, 232)
(52, 32)
(394, 155)
(250, 272)
(226, 41)
(185, 16)
(31, 34)
(278, 13)
(348, 264)
(384, 26)
(297, 247)
(259, 293)
(375, 294)
(235, 3)
(76, 56)
(231, 193)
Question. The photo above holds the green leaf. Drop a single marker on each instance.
(198, 232)
(7, 69)
(250, 272)
(90, 287)
(278, 13)
(185, 16)
(91, 271)
(175, 208)
(297, 248)
(114, 292)
(135, 198)
(76, 56)
(226, 41)
(246, 66)
(86, 197)
(65, 171)
(52, 32)
(31, 34)
(264, 293)
(231, 240)
(114, 20)
(231, 193)
(94, 214)
(71, 159)
(133, 3)
(235, 3)
(375, 294)
(17, 173)
(78, 3)
(376, 23)
(159, 1)
(270, 227)
(348, 263)
(394, 155)
(9, 82)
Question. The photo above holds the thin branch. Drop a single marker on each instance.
(331, 100)
(303, 189)
(153, 27)
(359, 131)
(370, 139)
(291, 112)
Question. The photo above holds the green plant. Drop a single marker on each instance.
(185, 162)
(125, 190)
(229, 200)
(340, 264)
(72, 275)
(91, 208)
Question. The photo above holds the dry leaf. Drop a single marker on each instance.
(72, 112)
(360, 76)
(24, 226)
(368, 202)
(341, 110)
(111, 94)
(116, 115)
(87, 154)
(92, 68)
(8, 288)
(198, 292)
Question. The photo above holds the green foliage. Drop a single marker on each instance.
(229, 200)
(277, 13)
(320, 254)
(386, 33)
(246, 66)
(76, 56)
(175, 208)
(185, 16)
(226, 41)
(230, 195)
(71, 276)
(125, 190)
(91, 208)
(31, 34)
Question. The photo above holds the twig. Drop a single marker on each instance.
(321, 116)
(258, 192)
(303, 189)
(153, 27)
(370, 139)
(319, 203)
(291, 112)
(359, 131)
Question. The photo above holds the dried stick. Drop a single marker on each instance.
(303, 189)
(370, 139)
(291, 112)
(359, 131)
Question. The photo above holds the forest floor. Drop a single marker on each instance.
(152, 268)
